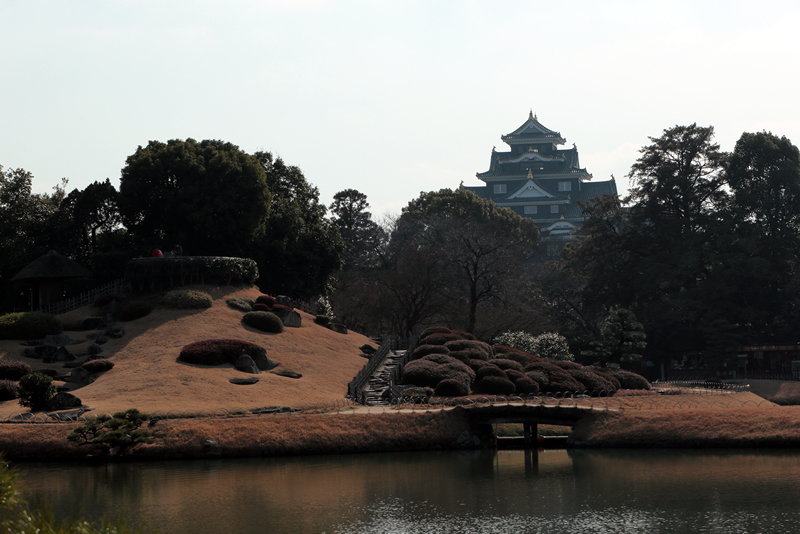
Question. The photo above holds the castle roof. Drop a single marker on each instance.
(533, 131)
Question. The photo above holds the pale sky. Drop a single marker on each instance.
(390, 98)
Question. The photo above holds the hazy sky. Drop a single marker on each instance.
(390, 98)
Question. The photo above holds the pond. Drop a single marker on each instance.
(610, 491)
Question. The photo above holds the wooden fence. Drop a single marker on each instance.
(355, 389)
(83, 299)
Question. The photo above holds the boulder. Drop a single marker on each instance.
(44, 352)
(80, 375)
(338, 327)
(30, 352)
(291, 319)
(367, 349)
(246, 364)
(284, 300)
(288, 374)
(94, 348)
(244, 381)
(115, 333)
(63, 355)
(58, 340)
(259, 356)
(64, 401)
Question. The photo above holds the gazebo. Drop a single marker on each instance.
(46, 275)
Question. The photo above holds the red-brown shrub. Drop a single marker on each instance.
(14, 369)
(495, 385)
(489, 370)
(518, 356)
(469, 354)
(566, 365)
(513, 374)
(260, 306)
(526, 386)
(594, 383)
(601, 371)
(9, 390)
(281, 308)
(424, 350)
(469, 345)
(422, 373)
(266, 299)
(540, 377)
(464, 335)
(504, 364)
(627, 379)
(439, 338)
(214, 351)
(433, 368)
(559, 381)
(98, 366)
(476, 364)
(434, 330)
(451, 388)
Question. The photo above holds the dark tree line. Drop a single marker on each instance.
(704, 251)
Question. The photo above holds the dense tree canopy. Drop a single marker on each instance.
(362, 237)
(211, 197)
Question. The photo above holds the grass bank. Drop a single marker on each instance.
(267, 435)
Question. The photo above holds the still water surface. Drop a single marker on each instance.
(497, 492)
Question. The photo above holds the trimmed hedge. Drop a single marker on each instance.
(526, 386)
(35, 391)
(489, 370)
(594, 383)
(240, 303)
(98, 366)
(429, 370)
(323, 320)
(214, 351)
(264, 321)
(558, 380)
(439, 338)
(144, 272)
(627, 379)
(513, 374)
(187, 299)
(434, 330)
(450, 387)
(606, 376)
(281, 308)
(9, 390)
(496, 385)
(504, 364)
(135, 310)
(14, 370)
(424, 350)
(518, 356)
(567, 365)
(469, 345)
(29, 325)
(469, 354)
(260, 306)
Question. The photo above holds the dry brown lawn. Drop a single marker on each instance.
(148, 376)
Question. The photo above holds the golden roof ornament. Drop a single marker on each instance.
(530, 174)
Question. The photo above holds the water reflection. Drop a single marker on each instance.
(476, 491)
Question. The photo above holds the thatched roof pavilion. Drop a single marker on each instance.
(47, 274)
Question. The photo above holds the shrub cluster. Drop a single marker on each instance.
(187, 299)
(267, 300)
(107, 432)
(214, 351)
(9, 390)
(98, 366)
(450, 387)
(264, 321)
(35, 391)
(424, 350)
(416, 395)
(134, 310)
(240, 303)
(430, 370)
(627, 379)
(28, 325)
(14, 369)
(258, 306)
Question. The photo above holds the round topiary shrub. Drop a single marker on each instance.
(434, 330)
(594, 383)
(259, 307)
(439, 338)
(240, 303)
(416, 395)
(567, 365)
(323, 320)
(214, 351)
(266, 299)
(424, 350)
(14, 369)
(526, 386)
(469, 345)
(29, 325)
(496, 385)
(134, 310)
(281, 308)
(505, 364)
(540, 377)
(264, 321)
(469, 354)
(9, 390)
(489, 370)
(628, 379)
(513, 374)
(507, 353)
(450, 387)
(35, 391)
(421, 373)
(98, 366)
(187, 299)
(601, 372)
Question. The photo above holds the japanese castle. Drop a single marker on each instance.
(536, 179)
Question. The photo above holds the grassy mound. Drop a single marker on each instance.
(214, 351)
(264, 321)
(187, 299)
(28, 325)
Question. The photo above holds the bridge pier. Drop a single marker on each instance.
(530, 430)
